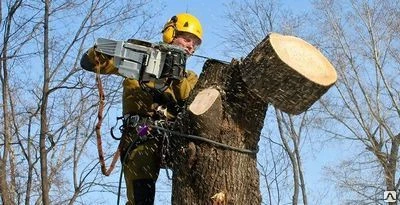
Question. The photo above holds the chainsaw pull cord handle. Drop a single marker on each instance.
(99, 85)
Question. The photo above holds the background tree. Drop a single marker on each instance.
(7, 194)
(362, 40)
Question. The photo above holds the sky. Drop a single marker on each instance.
(210, 13)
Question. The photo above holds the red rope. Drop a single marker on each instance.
(104, 169)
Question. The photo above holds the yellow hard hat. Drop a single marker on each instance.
(183, 22)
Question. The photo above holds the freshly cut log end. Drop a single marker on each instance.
(304, 58)
(288, 72)
(203, 101)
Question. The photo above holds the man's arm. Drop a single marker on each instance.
(91, 59)
(183, 87)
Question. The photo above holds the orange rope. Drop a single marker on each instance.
(104, 169)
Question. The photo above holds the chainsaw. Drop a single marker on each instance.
(144, 61)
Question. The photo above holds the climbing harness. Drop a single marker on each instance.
(141, 128)
(163, 130)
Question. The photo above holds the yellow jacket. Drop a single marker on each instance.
(136, 100)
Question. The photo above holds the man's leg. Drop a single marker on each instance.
(141, 172)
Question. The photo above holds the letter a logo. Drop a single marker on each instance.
(389, 196)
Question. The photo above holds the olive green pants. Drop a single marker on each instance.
(141, 169)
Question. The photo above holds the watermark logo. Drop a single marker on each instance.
(389, 196)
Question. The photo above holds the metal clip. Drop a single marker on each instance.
(131, 120)
(162, 110)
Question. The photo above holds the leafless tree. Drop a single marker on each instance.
(251, 20)
(362, 39)
(7, 194)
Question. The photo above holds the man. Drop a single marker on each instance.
(141, 165)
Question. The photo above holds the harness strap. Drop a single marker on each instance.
(241, 150)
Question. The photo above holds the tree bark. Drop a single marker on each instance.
(4, 189)
(236, 119)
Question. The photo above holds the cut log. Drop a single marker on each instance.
(288, 72)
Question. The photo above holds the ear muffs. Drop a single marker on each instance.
(169, 30)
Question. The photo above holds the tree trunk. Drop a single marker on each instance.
(235, 118)
(209, 174)
(6, 191)
(390, 165)
(43, 111)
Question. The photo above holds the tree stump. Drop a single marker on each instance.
(230, 109)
